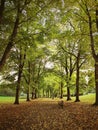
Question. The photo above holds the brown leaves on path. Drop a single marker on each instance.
(46, 115)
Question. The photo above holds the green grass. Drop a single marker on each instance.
(90, 98)
(7, 99)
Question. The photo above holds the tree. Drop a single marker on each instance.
(90, 8)
(68, 63)
(2, 7)
(22, 57)
(94, 54)
(27, 78)
(18, 7)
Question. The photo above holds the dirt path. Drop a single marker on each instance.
(43, 115)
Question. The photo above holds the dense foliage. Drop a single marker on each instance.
(48, 48)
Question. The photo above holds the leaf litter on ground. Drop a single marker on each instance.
(46, 115)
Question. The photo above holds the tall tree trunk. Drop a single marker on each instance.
(77, 80)
(32, 96)
(43, 92)
(67, 80)
(11, 40)
(18, 85)
(29, 71)
(94, 54)
(61, 88)
(21, 65)
(2, 6)
(28, 92)
(28, 95)
(48, 94)
(96, 60)
(35, 93)
(68, 93)
(96, 80)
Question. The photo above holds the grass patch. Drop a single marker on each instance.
(89, 98)
(7, 99)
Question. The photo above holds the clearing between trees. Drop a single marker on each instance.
(47, 115)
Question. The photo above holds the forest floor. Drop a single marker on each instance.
(47, 115)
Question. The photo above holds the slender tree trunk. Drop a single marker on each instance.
(28, 95)
(61, 86)
(29, 71)
(43, 93)
(21, 65)
(2, 6)
(67, 80)
(96, 58)
(10, 43)
(33, 95)
(48, 93)
(68, 93)
(18, 86)
(77, 80)
(96, 81)
(94, 54)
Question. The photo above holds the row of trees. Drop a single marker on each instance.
(49, 46)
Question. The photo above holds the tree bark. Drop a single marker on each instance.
(95, 56)
(2, 6)
(29, 79)
(68, 79)
(35, 93)
(10, 43)
(28, 95)
(21, 65)
(43, 92)
(77, 80)
(61, 88)
(18, 85)
(96, 61)
(68, 93)
(96, 81)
